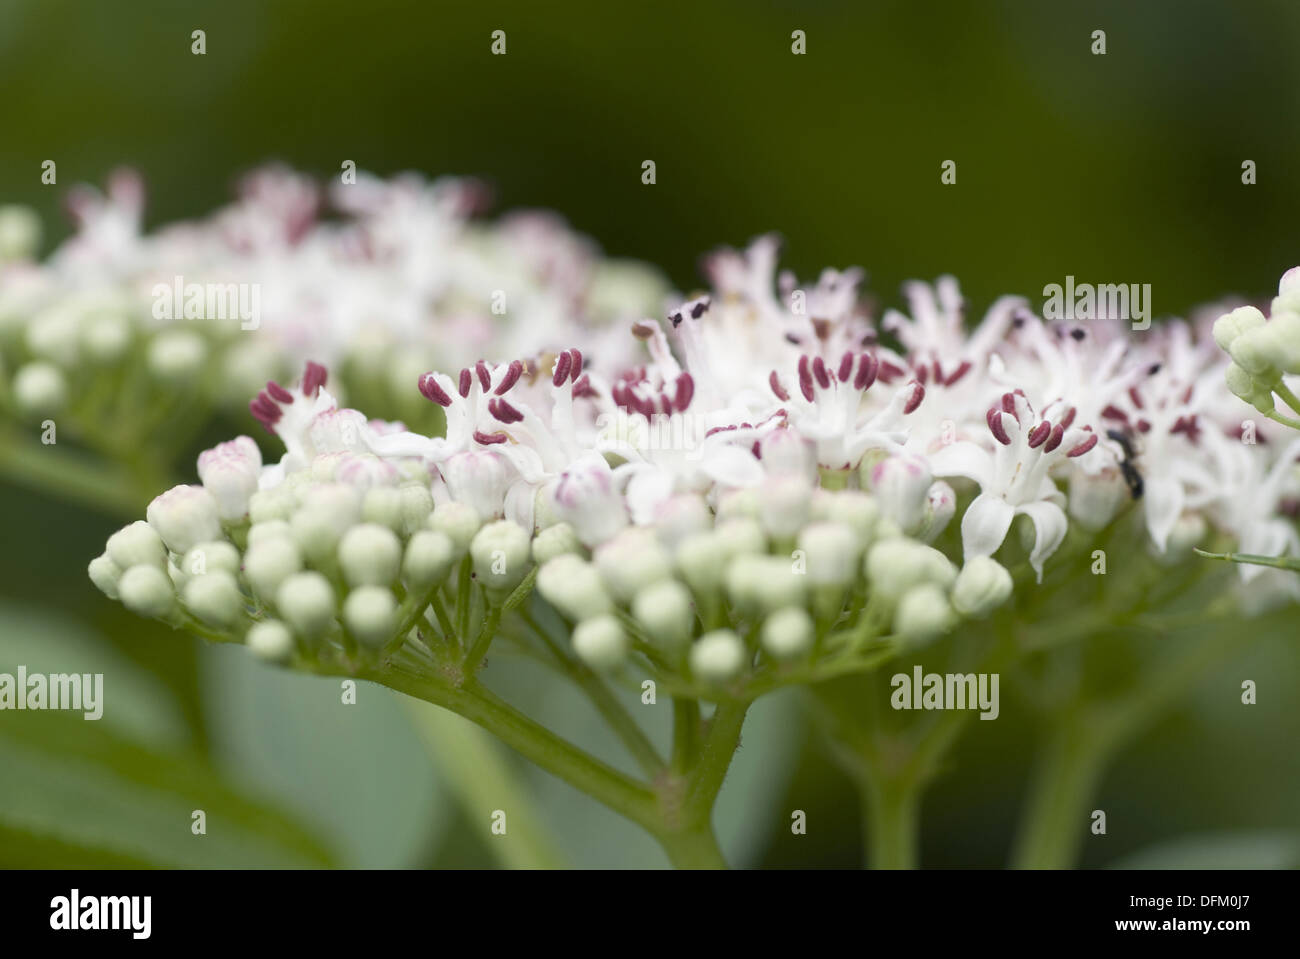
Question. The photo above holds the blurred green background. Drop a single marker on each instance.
(1117, 168)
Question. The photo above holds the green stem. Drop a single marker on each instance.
(719, 747)
(693, 849)
(890, 808)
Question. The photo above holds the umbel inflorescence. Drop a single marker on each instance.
(774, 489)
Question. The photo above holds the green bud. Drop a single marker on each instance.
(306, 601)
(600, 642)
(788, 633)
(138, 543)
(428, 561)
(665, 609)
(148, 591)
(269, 562)
(214, 598)
(459, 522)
(555, 541)
(982, 585)
(718, 656)
(270, 641)
(40, 389)
(571, 584)
(370, 555)
(105, 574)
(371, 614)
(500, 551)
(923, 613)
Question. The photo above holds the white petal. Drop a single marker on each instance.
(732, 466)
(1050, 525)
(985, 525)
(963, 458)
(646, 490)
(1164, 504)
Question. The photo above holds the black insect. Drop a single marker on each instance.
(1127, 464)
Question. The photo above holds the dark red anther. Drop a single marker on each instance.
(922, 375)
(1009, 404)
(484, 375)
(1135, 396)
(962, 369)
(774, 381)
(576, 371)
(1114, 413)
(513, 372)
(819, 371)
(466, 381)
(890, 371)
(757, 450)
(846, 367)
(1083, 447)
(1053, 441)
(685, 392)
(563, 362)
(432, 391)
(1038, 435)
(1143, 426)
(503, 411)
(918, 394)
(1069, 416)
(937, 370)
(999, 431)
(278, 392)
(867, 370)
(489, 439)
(805, 378)
(583, 388)
(313, 378)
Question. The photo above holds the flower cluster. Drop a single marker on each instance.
(125, 334)
(762, 491)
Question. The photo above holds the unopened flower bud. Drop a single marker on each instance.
(738, 504)
(370, 555)
(327, 512)
(923, 613)
(1245, 386)
(214, 598)
(783, 503)
(40, 389)
(702, 560)
(428, 561)
(458, 522)
(940, 507)
(585, 497)
(500, 551)
(105, 574)
(185, 516)
(230, 471)
(831, 552)
(177, 356)
(269, 529)
(147, 590)
(786, 453)
(760, 583)
(269, 504)
(105, 337)
(681, 516)
(209, 557)
(306, 601)
(554, 541)
(632, 559)
(1096, 498)
(787, 633)
(718, 656)
(572, 585)
(20, 232)
(901, 483)
(666, 611)
(478, 479)
(136, 544)
(270, 641)
(601, 642)
(383, 505)
(370, 613)
(416, 503)
(854, 509)
(269, 562)
(981, 587)
(1231, 325)
(896, 565)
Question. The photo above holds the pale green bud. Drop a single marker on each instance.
(416, 505)
(268, 530)
(214, 598)
(718, 656)
(601, 642)
(1256, 351)
(370, 555)
(371, 614)
(459, 522)
(572, 585)
(760, 583)
(1231, 325)
(738, 504)
(147, 590)
(783, 505)
(136, 544)
(1245, 386)
(383, 505)
(500, 551)
(20, 232)
(788, 633)
(632, 559)
(895, 565)
(40, 389)
(428, 561)
(269, 562)
(923, 613)
(54, 336)
(553, 541)
(665, 610)
(328, 511)
(105, 574)
(270, 641)
(105, 337)
(831, 552)
(854, 509)
(702, 560)
(306, 601)
(177, 356)
(210, 557)
(185, 516)
(271, 504)
(981, 587)
(738, 536)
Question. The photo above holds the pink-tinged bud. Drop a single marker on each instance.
(185, 516)
(901, 483)
(786, 453)
(364, 471)
(940, 507)
(1095, 499)
(585, 497)
(337, 431)
(478, 478)
(229, 471)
